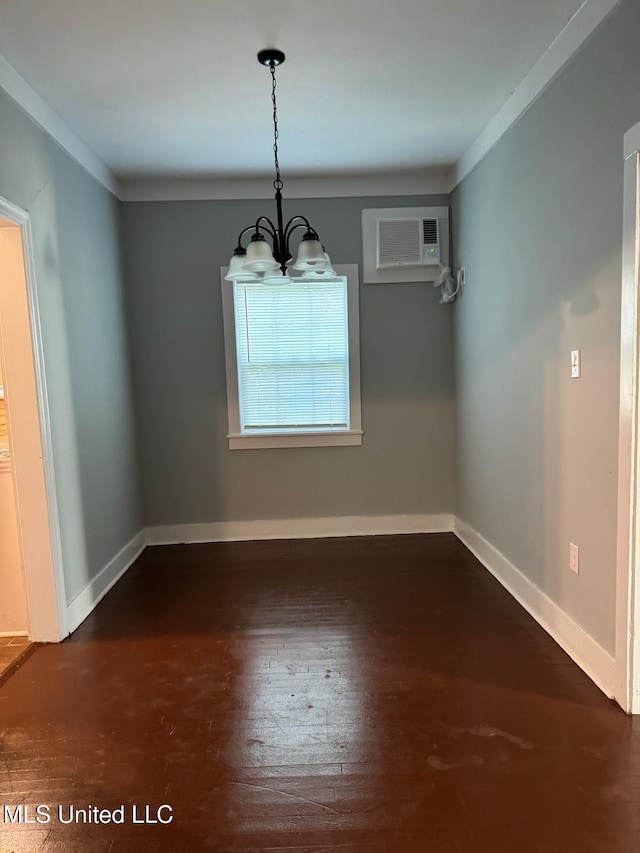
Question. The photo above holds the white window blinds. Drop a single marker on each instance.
(293, 356)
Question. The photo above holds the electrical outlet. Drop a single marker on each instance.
(575, 364)
(574, 558)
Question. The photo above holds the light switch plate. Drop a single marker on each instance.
(575, 364)
(574, 558)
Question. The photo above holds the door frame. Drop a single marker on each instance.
(32, 454)
(627, 688)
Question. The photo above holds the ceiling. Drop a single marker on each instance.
(159, 88)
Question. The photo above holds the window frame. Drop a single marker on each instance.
(304, 437)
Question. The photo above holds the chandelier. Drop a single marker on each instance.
(268, 255)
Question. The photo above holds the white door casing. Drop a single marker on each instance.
(628, 556)
(29, 429)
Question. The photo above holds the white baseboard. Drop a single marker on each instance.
(597, 663)
(298, 528)
(81, 606)
(14, 633)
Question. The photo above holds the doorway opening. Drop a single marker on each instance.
(13, 598)
(14, 639)
(31, 576)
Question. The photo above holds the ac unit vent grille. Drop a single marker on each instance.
(430, 231)
(399, 242)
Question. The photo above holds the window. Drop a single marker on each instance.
(293, 362)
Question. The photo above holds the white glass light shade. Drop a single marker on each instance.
(319, 275)
(259, 257)
(329, 268)
(246, 276)
(310, 256)
(237, 272)
(276, 277)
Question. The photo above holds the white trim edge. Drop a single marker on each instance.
(567, 42)
(632, 141)
(14, 634)
(298, 528)
(44, 569)
(628, 558)
(597, 663)
(249, 441)
(426, 182)
(85, 601)
(28, 99)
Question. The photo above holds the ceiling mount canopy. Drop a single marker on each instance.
(271, 55)
(269, 246)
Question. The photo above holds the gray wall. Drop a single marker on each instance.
(538, 226)
(173, 252)
(75, 230)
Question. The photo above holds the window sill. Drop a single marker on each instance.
(300, 439)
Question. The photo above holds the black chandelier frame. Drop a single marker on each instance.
(280, 233)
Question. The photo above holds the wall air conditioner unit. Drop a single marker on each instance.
(404, 243)
(407, 243)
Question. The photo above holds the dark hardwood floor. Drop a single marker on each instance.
(343, 695)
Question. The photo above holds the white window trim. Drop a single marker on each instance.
(321, 438)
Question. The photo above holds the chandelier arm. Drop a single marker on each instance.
(256, 227)
(271, 228)
(291, 227)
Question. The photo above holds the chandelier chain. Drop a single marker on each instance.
(278, 184)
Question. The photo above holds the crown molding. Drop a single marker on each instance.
(195, 189)
(578, 29)
(28, 99)
(569, 40)
(426, 182)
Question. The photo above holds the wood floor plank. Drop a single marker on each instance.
(13, 651)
